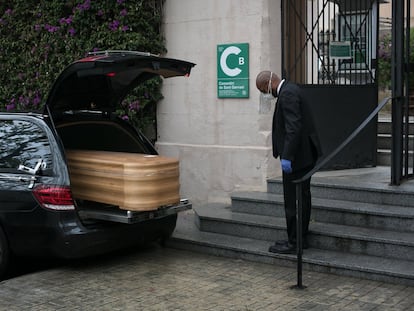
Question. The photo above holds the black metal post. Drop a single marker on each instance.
(397, 85)
(299, 246)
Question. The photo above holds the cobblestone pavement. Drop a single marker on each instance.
(158, 278)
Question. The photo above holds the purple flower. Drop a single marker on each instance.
(100, 13)
(8, 12)
(134, 105)
(123, 12)
(24, 100)
(37, 27)
(72, 31)
(125, 28)
(10, 107)
(125, 117)
(84, 6)
(114, 25)
(120, 1)
(51, 28)
(66, 21)
(36, 99)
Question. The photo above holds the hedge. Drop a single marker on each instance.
(38, 39)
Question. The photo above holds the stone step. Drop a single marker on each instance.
(368, 215)
(385, 126)
(384, 130)
(188, 236)
(384, 157)
(384, 141)
(218, 218)
(354, 187)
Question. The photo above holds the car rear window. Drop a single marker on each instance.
(22, 143)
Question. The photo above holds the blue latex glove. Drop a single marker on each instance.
(286, 166)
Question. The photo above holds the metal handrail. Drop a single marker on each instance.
(318, 166)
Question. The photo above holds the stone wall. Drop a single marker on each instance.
(224, 145)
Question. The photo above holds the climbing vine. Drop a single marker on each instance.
(38, 39)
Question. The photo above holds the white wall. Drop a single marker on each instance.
(386, 12)
(224, 145)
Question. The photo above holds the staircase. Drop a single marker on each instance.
(384, 141)
(360, 226)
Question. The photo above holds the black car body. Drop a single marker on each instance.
(38, 214)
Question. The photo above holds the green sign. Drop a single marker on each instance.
(340, 50)
(233, 70)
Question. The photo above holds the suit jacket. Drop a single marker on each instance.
(294, 136)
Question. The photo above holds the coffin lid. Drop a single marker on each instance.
(101, 80)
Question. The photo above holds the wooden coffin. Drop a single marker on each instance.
(132, 181)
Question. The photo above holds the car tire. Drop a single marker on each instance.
(4, 254)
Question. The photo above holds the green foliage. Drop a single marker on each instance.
(384, 60)
(38, 39)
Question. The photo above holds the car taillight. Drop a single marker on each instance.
(58, 198)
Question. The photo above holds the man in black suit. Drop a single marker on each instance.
(295, 141)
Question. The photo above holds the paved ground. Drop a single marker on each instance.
(158, 278)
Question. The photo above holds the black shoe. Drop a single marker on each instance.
(285, 242)
(281, 242)
(283, 248)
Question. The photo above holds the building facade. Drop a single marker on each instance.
(223, 143)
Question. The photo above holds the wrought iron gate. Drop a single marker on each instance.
(329, 47)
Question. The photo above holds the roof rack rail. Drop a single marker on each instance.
(107, 52)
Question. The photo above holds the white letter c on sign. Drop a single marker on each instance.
(223, 61)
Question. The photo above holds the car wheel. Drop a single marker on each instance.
(4, 254)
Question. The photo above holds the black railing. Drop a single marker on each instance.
(323, 162)
(402, 162)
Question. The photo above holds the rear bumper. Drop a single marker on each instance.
(62, 234)
(83, 241)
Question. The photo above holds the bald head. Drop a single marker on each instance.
(266, 78)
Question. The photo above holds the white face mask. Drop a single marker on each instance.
(269, 94)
